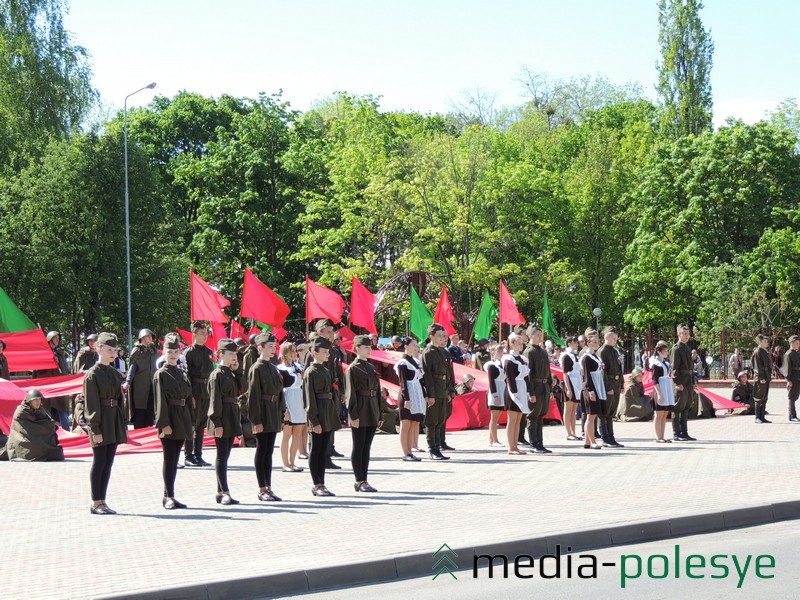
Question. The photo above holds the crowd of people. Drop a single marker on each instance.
(256, 391)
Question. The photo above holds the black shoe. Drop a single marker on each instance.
(201, 462)
(446, 447)
(523, 443)
(538, 451)
(268, 496)
(680, 438)
(226, 500)
(101, 509)
(613, 445)
(364, 487)
(179, 465)
(759, 420)
(322, 491)
(172, 504)
(330, 465)
(439, 456)
(191, 461)
(794, 419)
(689, 438)
(336, 454)
(765, 420)
(409, 458)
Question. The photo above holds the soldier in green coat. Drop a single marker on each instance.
(680, 359)
(265, 409)
(322, 408)
(610, 357)
(139, 381)
(105, 420)
(224, 420)
(3, 362)
(199, 364)
(538, 387)
(86, 357)
(440, 385)
(762, 375)
(791, 369)
(174, 422)
(363, 398)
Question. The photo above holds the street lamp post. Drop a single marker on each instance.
(597, 312)
(127, 211)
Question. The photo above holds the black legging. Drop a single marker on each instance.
(194, 446)
(318, 458)
(224, 446)
(362, 444)
(171, 450)
(100, 472)
(265, 444)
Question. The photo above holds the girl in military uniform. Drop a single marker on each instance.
(173, 398)
(224, 421)
(363, 399)
(265, 408)
(105, 421)
(322, 410)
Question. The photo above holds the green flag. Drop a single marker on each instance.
(486, 316)
(420, 317)
(547, 321)
(12, 318)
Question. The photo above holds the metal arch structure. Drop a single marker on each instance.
(427, 285)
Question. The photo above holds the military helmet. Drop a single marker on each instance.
(52, 334)
(144, 332)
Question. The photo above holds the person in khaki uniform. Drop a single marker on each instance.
(4, 374)
(265, 409)
(105, 419)
(199, 364)
(538, 388)
(322, 408)
(791, 369)
(363, 399)
(680, 359)
(139, 382)
(439, 384)
(762, 375)
(610, 357)
(173, 394)
(57, 406)
(224, 420)
(86, 356)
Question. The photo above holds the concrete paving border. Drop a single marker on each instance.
(419, 564)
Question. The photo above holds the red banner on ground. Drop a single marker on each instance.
(28, 351)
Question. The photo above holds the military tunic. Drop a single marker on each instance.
(265, 402)
(363, 393)
(3, 367)
(140, 376)
(439, 383)
(84, 360)
(223, 409)
(610, 357)
(249, 359)
(791, 369)
(539, 380)
(102, 389)
(680, 358)
(321, 407)
(762, 371)
(199, 366)
(173, 403)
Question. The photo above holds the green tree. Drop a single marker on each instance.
(684, 73)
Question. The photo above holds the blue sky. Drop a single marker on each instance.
(422, 55)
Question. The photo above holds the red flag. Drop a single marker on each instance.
(218, 333)
(508, 308)
(237, 331)
(443, 315)
(322, 303)
(253, 331)
(362, 307)
(207, 304)
(279, 332)
(261, 303)
(28, 351)
(186, 336)
(347, 333)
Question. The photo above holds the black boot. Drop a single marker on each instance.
(676, 427)
(540, 436)
(685, 426)
(759, 408)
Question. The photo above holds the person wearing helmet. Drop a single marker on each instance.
(139, 381)
(250, 356)
(33, 432)
(58, 407)
(86, 357)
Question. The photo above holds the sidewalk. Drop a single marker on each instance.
(479, 498)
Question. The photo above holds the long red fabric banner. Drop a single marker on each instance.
(28, 351)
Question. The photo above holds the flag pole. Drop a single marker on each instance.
(306, 306)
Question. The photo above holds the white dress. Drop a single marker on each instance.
(416, 397)
(293, 395)
(521, 397)
(499, 385)
(575, 375)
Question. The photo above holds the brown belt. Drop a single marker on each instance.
(230, 399)
(269, 397)
(324, 396)
(199, 380)
(178, 402)
(112, 402)
(541, 380)
(367, 393)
